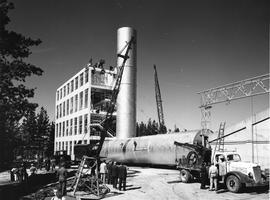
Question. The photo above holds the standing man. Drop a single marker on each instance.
(102, 171)
(62, 177)
(213, 175)
(53, 163)
(203, 175)
(109, 169)
(47, 164)
(222, 168)
(122, 177)
(33, 169)
(114, 174)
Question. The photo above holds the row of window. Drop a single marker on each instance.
(73, 85)
(75, 103)
(74, 126)
(67, 145)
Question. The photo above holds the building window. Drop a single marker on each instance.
(71, 126)
(86, 75)
(64, 109)
(85, 141)
(81, 101)
(81, 79)
(57, 95)
(70, 147)
(76, 103)
(75, 126)
(67, 128)
(60, 111)
(86, 98)
(64, 130)
(85, 123)
(61, 93)
(71, 105)
(64, 91)
(56, 146)
(60, 129)
(56, 130)
(59, 146)
(80, 125)
(66, 146)
(68, 88)
(63, 146)
(76, 83)
(57, 110)
(68, 107)
(72, 85)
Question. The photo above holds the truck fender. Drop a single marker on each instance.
(242, 177)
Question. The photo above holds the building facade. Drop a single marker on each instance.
(80, 101)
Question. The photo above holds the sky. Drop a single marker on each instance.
(196, 45)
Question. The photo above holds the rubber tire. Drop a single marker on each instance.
(233, 184)
(185, 176)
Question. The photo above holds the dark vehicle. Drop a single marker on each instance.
(61, 156)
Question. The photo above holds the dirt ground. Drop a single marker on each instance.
(153, 183)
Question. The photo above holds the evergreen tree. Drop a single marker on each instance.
(29, 129)
(49, 150)
(14, 104)
(151, 128)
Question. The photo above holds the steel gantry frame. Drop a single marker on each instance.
(241, 89)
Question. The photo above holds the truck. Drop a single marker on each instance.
(239, 174)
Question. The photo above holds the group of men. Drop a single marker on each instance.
(214, 172)
(19, 173)
(115, 174)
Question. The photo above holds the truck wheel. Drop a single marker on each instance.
(233, 184)
(185, 176)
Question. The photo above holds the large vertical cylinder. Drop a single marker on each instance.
(126, 100)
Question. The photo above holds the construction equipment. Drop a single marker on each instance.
(108, 119)
(159, 103)
(78, 174)
(241, 89)
(106, 123)
(89, 182)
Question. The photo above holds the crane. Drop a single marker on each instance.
(106, 123)
(159, 103)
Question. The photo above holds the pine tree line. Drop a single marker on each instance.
(19, 125)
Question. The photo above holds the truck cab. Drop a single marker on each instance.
(239, 174)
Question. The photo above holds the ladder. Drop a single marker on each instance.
(78, 174)
(221, 136)
(220, 140)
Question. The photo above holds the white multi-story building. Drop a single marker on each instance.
(80, 101)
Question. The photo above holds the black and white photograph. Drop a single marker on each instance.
(134, 99)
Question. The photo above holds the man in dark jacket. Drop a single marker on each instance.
(62, 177)
(122, 176)
(203, 176)
(109, 168)
(114, 174)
